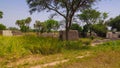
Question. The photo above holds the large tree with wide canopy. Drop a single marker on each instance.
(65, 8)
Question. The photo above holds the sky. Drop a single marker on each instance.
(18, 9)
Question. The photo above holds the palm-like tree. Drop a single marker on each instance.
(19, 23)
(27, 21)
(1, 14)
(39, 25)
(24, 24)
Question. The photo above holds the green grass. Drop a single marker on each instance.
(17, 47)
(30, 50)
(102, 56)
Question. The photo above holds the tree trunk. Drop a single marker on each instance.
(67, 30)
(68, 25)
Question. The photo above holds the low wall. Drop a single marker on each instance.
(72, 35)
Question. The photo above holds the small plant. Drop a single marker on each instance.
(92, 37)
(75, 45)
(86, 41)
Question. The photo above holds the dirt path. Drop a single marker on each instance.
(97, 42)
(58, 62)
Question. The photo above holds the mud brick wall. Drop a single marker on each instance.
(0, 32)
(55, 35)
(72, 35)
(111, 35)
(15, 32)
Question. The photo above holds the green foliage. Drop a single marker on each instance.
(24, 24)
(90, 16)
(100, 29)
(19, 46)
(2, 27)
(43, 46)
(1, 14)
(65, 8)
(16, 47)
(85, 41)
(86, 28)
(51, 25)
(72, 45)
(13, 28)
(12, 47)
(108, 46)
(76, 27)
(115, 23)
(39, 26)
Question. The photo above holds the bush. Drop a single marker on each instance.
(76, 27)
(100, 29)
(2, 27)
(114, 23)
(74, 45)
(85, 41)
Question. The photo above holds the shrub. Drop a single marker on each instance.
(76, 27)
(100, 29)
(85, 41)
(74, 45)
(2, 27)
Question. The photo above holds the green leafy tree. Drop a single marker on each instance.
(2, 27)
(76, 27)
(100, 29)
(51, 24)
(1, 14)
(13, 28)
(65, 8)
(115, 23)
(39, 26)
(23, 24)
(27, 21)
(90, 17)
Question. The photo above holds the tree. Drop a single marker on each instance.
(76, 27)
(24, 24)
(1, 14)
(27, 21)
(2, 27)
(115, 23)
(65, 8)
(40, 26)
(90, 17)
(21, 24)
(51, 24)
(99, 29)
(13, 28)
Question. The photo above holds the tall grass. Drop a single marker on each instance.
(16, 47)
(108, 46)
(42, 45)
(19, 46)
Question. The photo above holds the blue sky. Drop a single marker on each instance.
(18, 9)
